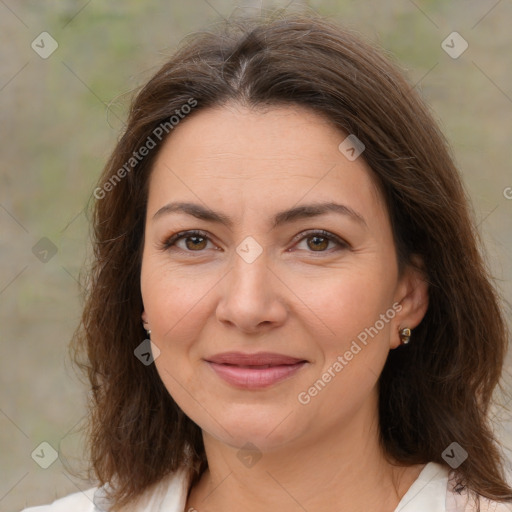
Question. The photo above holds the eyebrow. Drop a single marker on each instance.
(280, 218)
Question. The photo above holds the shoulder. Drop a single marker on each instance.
(437, 490)
(489, 506)
(168, 494)
(77, 502)
(494, 506)
(458, 499)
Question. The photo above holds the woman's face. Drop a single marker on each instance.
(256, 280)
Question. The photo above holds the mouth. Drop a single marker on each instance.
(252, 366)
(254, 371)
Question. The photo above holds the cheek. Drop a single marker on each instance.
(358, 308)
(175, 300)
(346, 302)
(175, 308)
(173, 296)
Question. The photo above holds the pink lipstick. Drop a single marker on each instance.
(254, 371)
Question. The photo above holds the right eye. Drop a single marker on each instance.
(198, 239)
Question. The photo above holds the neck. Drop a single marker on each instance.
(344, 466)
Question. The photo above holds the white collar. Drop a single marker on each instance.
(427, 493)
(168, 495)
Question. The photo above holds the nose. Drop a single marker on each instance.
(252, 297)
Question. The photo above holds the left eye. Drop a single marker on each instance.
(319, 240)
(196, 241)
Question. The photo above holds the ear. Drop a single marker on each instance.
(144, 317)
(412, 295)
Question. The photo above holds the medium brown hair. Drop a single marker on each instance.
(432, 392)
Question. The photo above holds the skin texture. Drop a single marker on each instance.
(297, 298)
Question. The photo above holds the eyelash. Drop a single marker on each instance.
(170, 242)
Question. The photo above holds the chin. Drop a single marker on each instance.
(264, 430)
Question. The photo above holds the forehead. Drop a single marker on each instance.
(237, 157)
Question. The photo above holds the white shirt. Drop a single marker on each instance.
(433, 491)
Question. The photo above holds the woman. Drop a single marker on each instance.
(288, 309)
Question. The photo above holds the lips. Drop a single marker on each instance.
(254, 371)
(260, 359)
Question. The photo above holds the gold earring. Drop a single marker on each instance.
(405, 336)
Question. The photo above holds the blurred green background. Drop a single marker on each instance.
(61, 116)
